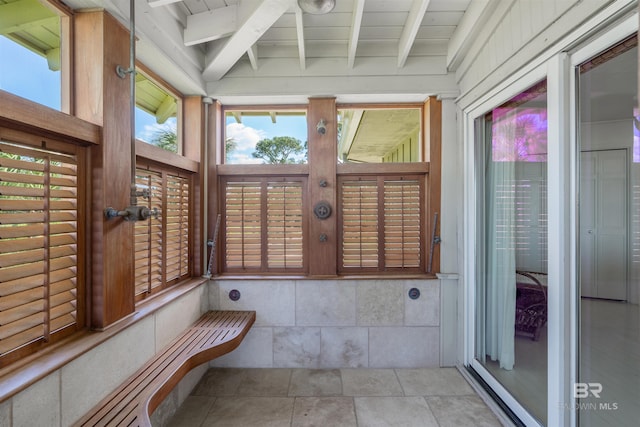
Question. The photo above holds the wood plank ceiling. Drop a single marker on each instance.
(257, 31)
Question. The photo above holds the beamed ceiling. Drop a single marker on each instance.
(269, 50)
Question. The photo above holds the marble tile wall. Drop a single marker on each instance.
(334, 323)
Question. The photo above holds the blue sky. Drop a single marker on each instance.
(254, 128)
(27, 74)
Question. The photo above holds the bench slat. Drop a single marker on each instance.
(214, 334)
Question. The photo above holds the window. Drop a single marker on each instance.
(265, 137)
(379, 135)
(379, 216)
(380, 222)
(33, 52)
(264, 224)
(157, 114)
(41, 245)
(162, 242)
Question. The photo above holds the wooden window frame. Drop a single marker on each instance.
(386, 173)
(35, 140)
(170, 90)
(264, 180)
(164, 173)
(323, 235)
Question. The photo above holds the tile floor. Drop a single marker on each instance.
(333, 397)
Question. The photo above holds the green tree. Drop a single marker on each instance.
(278, 150)
(166, 138)
(230, 145)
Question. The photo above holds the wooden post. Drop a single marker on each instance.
(323, 150)
(101, 97)
(432, 126)
(215, 135)
(193, 148)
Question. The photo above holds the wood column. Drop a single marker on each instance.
(193, 148)
(432, 124)
(322, 150)
(215, 135)
(101, 97)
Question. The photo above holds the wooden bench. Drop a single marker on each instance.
(214, 334)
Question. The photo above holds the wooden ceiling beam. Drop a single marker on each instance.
(300, 33)
(158, 3)
(248, 33)
(211, 25)
(252, 53)
(410, 30)
(354, 34)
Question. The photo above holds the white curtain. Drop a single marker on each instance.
(500, 269)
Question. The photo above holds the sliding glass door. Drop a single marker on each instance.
(608, 387)
(511, 286)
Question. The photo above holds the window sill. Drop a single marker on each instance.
(390, 276)
(19, 375)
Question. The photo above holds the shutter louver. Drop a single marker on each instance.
(149, 235)
(162, 243)
(177, 227)
(264, 224)
(402, 221)
(360, 224)
(38, 244)
(381, 223)
(243, 229)
(284, 225)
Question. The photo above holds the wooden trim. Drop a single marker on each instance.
(151, 153)
(266, 107)
(432, 125)
(213, 136)
(262, 170)
(382, 168)
(394, 106)
(22, 114)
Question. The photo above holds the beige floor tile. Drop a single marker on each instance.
(193, 412)
(265, 382)
(461, 411)
(394, 411)
(220, 382)
(324, 411)
(250, 411)
(370, 382)
(433, 382)
(315, 382)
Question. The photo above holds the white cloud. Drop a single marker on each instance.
(245, 137)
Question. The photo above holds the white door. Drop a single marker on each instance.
(603, 224)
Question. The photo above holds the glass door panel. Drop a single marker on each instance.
(511, 293)
(608, 388)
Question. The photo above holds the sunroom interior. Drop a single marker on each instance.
(417, 191)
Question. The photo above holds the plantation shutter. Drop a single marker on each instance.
(149, 235)
(38, 244)
(162, 243)
(284, 225)
(381, 223)
(402, 223)
(360, 224)
(243, 225)
(264, 224)
(177, 227)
